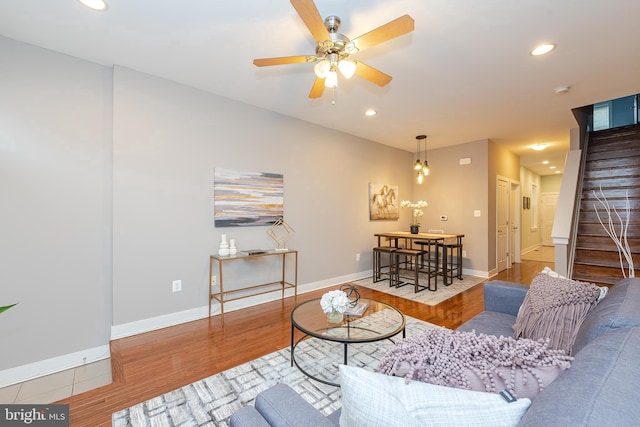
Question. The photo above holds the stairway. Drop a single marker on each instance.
(613, 164)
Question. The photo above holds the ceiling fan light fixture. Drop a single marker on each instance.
(331, 80)
(321, 69)
(347, 68)
(351, 48)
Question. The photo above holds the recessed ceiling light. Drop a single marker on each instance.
(542, 49)
(558, 171)
(561, 90)
(552, 167)
(99, 5)
(546, 162)
(370, 112)
(539, 147)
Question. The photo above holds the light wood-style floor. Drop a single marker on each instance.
(147, 365)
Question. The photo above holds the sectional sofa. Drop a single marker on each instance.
(599, 389)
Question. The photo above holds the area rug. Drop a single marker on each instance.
(212, 401)
(425, 297)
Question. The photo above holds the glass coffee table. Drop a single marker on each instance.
(379, 322)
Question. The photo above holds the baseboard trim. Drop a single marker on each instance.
(51, 366)
(173, 319)
(476, 273)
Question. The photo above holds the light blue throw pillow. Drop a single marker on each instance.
(371, 399)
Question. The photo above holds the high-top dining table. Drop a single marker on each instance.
(428, 242)
(408, 237)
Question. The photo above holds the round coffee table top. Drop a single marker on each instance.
(378, 322)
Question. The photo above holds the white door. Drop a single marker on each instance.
(502, 215)
(549, 203)
(514, 224)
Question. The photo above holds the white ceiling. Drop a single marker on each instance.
(464, 74)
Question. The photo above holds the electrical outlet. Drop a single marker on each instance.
(357, 257)
(214, 280)
(464, 254)
(177, 285)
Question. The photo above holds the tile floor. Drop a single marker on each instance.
(60, 385)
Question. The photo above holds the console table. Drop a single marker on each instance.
(224, 296)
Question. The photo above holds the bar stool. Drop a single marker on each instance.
(378, 271)
(429, 261)
(449, 266)
(413, 258)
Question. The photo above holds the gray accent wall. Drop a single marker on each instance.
(168, 138)
(106, 183)
(55, 195)
(107, 196)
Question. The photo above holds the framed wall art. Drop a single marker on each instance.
(247, 198)
(383, 202)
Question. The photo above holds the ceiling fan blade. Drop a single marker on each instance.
(388, 31)
(317, 89)
(263, 62)
(375, 76)
(312, 19)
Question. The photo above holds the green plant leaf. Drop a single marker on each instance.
(6, 307)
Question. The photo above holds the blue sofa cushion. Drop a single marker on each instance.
(619, 309)
(490, 323)
(247, 416)
(281, 406)
(599, 389)
(504, 297)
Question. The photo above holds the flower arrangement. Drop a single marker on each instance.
(334, 301)
(417, 210)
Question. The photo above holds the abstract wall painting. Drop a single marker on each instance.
(247, 198)
(383, 202)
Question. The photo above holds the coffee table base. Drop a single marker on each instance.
(294, 344)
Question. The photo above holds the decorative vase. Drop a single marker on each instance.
(232, 247)
(415, 229)
(224, 246)
(334, 317)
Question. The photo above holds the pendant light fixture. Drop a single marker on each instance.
(422, 170)
(417, 166)
(425, 167)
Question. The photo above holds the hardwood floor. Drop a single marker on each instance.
(150, 364)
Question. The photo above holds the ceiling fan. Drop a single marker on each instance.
(333, 50)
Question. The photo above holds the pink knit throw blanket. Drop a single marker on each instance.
(476, 362)
(554, 308)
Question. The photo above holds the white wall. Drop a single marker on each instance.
(456, 191)
(55, 190)
(107, 185)
(530, 233)
(168, 138)
(107, 197)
